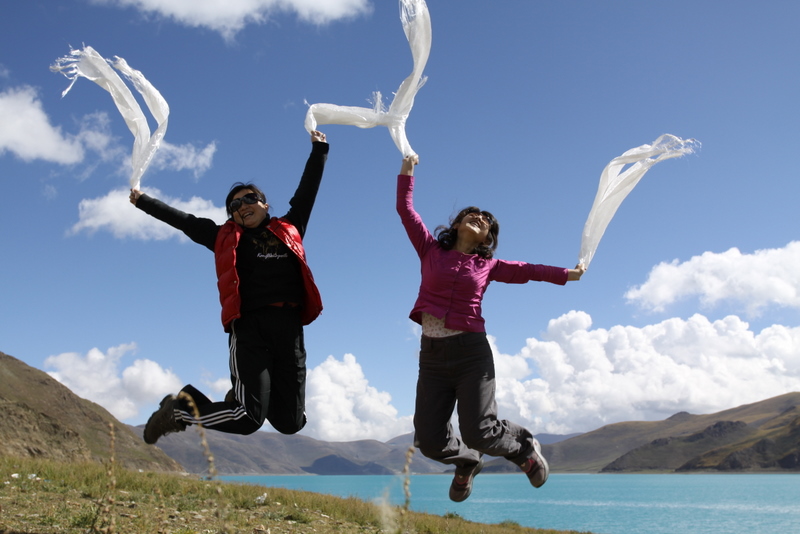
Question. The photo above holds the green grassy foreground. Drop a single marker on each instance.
(46, 497)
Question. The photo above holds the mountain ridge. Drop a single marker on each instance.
(43, 418)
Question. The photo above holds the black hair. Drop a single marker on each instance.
(447, 235)
(238, 186)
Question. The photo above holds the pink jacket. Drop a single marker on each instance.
(453, 283)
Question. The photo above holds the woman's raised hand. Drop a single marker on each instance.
(407, 168)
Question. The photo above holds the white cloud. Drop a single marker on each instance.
(26, 132)
(588, 378)
(95, 136)
(184, 157)
(574, 379)
(344, 407)
(96, 376)
(115, 214)
(754, 281)
(220, 385)
(229, 16)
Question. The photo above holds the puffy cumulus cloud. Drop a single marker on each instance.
(26, 132)
(115, 214)
(220, 385)
(229, 16)
(755, 281)
(588, 377)
(345, 407)
(184, 157)
(96, 376)
(95, 136)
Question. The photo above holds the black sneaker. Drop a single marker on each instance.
(460, 491)
(535, 467)
(163, 421)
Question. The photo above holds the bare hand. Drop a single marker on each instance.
(576, 273)
(135, 194)
(407, 168)
(317, 136)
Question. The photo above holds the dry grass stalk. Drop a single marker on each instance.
(212, 470)
(106, 522)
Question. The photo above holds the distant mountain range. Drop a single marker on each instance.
(763, 436)
(43, 418)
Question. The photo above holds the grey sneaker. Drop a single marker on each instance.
(535, 467)
(163, 421)
(460, 491)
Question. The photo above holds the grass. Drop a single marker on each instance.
(40, 496)
(47, 497)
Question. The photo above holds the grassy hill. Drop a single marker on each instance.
(44, 419)
(40, 496)
(690, 442)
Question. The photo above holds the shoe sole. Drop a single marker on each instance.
(540, 459)
(478, 468)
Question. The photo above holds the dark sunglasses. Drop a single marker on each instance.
(485, 214)
(249, 198)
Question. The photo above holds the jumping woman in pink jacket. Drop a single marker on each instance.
(455, 360)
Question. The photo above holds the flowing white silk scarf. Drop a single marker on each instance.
(616, 184)
(417, 27)
(89, 64)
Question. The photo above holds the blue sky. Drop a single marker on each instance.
(691, 302)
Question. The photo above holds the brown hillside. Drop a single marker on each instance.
(774, 445)
(43, 418)
(592, 451)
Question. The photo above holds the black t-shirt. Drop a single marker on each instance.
(268, 270)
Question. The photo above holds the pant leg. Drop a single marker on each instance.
(477, 408)
(287, 400)
(436, 398)
(250, 366)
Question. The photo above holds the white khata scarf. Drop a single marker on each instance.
(616, 184)
(417, 27)
(89, 64)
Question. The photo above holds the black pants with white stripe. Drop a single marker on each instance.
(268, 373)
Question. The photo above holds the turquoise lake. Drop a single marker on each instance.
(602, 504)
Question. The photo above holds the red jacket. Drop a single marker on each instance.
(228, 279)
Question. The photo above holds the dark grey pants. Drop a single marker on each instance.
(459, 370)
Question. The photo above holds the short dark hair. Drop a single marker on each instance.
(239, 186)
(447, 235)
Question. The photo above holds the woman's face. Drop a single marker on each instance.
(475, 223)
(249, 215)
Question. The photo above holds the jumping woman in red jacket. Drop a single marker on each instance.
(267, 294)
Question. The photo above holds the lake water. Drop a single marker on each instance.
(602, 504)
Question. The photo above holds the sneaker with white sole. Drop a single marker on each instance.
(535, 467)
